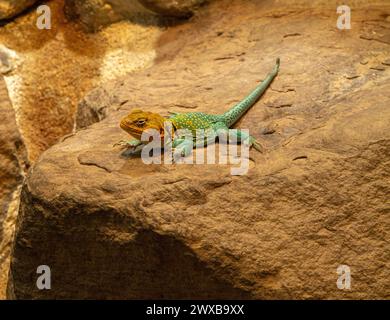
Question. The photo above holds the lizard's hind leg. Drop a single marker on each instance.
(243, 137)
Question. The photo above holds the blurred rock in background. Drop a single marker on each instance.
(94, 14)
(13, 163)
(10, 8)
(173, 8)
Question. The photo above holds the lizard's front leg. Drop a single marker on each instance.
(181, 148)
(132, 146)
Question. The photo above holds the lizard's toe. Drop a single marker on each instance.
(258, 147)
(121, 143)
(253, 143)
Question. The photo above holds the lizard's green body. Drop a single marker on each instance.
(138, 121)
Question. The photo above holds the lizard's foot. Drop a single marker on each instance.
(252, 142)
(132, 151)
(131, 147)
(181, 151)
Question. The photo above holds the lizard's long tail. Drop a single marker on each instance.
(239, 109)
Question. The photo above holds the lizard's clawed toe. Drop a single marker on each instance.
(258, 147)
(121, 143)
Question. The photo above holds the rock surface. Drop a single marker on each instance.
(12, 165)
(94, 107)
(173, 8)
(113, 227)
(10, 8)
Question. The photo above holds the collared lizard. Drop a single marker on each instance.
(138, 121)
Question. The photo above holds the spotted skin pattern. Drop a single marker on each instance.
(138, 121)
(195, 120)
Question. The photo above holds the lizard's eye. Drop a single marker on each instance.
(141, 122)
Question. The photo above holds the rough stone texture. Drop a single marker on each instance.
(94, 107)
(113, 227)
(10, 8)
(173, 8)
(94, 14)
(12, 165)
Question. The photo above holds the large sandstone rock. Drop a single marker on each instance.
(113, 227)
(12, 165)
(10, 8)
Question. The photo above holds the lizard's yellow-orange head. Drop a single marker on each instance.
(138, 121)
